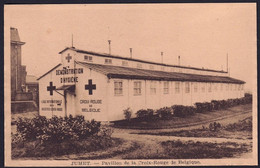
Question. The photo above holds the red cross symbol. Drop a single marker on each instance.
(90, 87)
(69, 57)
(51, 88)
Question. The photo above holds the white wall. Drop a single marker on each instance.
(110, 106)
(44, 95)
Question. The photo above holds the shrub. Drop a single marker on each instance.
(244, 125)
(148, 113)
(214, 126)
(165, 112)
(200, 107)
(128, 113)
(56, 129)
(204, 107)
(105, 132)
(247, 99)
(183, 111)
(216, 104)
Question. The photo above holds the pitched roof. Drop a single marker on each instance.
(138, 60)
(134, 73)
(49, 71)
(30, 79)
(15, 36)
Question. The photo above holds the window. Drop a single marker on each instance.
(227, 87)
(88, 58)
(166, 87)
(187, 87)
(210, 87)
(118, 88)
(124, 63)
(239, 87)
(177, 87)
(153, 87)
(108, 61)
(162, 68)
(138, 65)
(235, 87)
(230, 86)
(195, 87)
(242, 87)
(203, 87)
(216, 86)
(151, 67)
(221, 87)
(137, 88)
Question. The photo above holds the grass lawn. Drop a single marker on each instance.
(193, 150)
(239, 130)
(200, 150)
(36, 150)
(175, 122)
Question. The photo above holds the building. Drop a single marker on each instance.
(32, 87)
(18, 71)
(22, 98)
(100, 86)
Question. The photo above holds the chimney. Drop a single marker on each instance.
(162, 56)
(130, 52)
(109, 47)
(227, 63)
(179, 60)
(72, 41)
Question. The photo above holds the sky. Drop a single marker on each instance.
(202, 34)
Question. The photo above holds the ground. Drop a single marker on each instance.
(164, 143)
(150, 145)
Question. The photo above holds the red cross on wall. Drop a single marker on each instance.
(68, 57)
(90, 87)
(51, 88)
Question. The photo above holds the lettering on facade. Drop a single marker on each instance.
(68, 71)
(51, 109)
(51, 103)
(91, 105)
(69, 80)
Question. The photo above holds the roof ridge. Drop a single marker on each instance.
(87, 64)
(139, 60)
(128, 72)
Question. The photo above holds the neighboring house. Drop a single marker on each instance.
(31, 83)
(100, 86)
(32, 86)
(21, 99)
(18, 71)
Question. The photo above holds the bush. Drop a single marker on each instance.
(200, 107)
(214, 126)
(183, 111)
(216, 104)
(56, 129)
(128, 113)
(144, 114)
(165, 113)
(244, 125)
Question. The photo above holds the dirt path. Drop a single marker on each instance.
(150, 144)
(223, 121)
